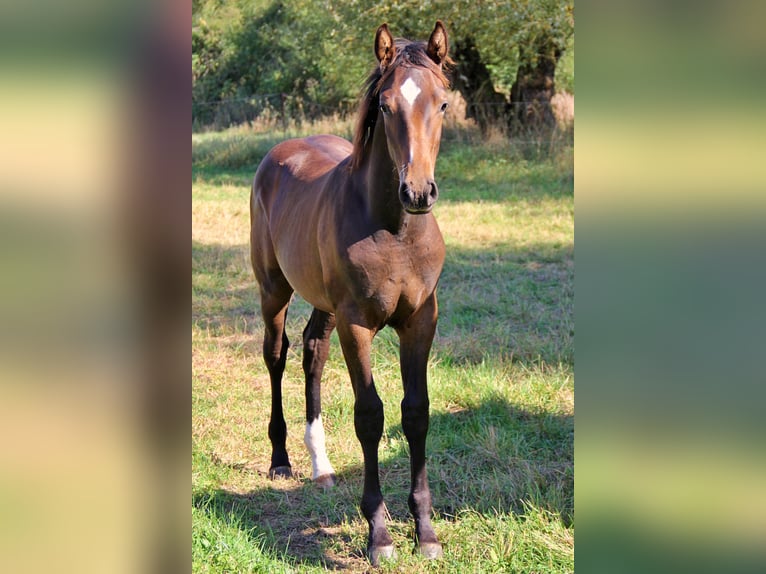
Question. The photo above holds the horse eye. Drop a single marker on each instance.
(444, 107)
(385, 109)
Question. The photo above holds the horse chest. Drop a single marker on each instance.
(391, 277)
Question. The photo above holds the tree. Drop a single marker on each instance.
(506, 53)
(541, 44)
(531, 93)
(505, 68)
(473, 80)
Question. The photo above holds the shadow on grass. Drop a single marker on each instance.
(495, 458)
(505, 302)
(293, 518)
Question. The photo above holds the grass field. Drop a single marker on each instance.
(501, 380)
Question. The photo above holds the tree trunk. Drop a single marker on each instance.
(533, 89)
(472, 79)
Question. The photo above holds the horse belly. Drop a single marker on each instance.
(302, 268)
(311, 290)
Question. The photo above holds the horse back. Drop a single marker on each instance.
(298, 164)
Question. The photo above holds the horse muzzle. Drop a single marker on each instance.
(418, 201)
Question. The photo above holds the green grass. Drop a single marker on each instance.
(501, 381)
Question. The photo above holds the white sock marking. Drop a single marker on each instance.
(314, 439)
(410, 91)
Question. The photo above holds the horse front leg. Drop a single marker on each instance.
(356, 341)
(416, 336)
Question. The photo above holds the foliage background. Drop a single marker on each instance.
(320, 51)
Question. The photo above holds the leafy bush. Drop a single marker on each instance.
(246, 55)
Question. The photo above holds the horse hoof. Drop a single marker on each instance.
(379, 553)
(280, 472)
(431, 550)
(326, 481)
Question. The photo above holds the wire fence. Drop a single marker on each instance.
(530, 123)
(282, 108)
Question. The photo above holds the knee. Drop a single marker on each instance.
(415, 418)
(309, 351)
(368, 419)
(274, 348)
(309, 345)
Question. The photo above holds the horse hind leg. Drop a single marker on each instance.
(275, 344)
(316, 347)
(275, 297)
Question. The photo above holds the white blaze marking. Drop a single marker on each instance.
(410, 91)
(314, 439)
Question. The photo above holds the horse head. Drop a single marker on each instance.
(412, 101)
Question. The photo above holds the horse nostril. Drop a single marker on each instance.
(434, 193)
(404, 194)
(421, 201)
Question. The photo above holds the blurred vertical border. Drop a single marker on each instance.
(95, 111)
(670, 182)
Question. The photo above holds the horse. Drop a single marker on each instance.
(349, 226)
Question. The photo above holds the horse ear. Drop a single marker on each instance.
(384, 46)
(438, 43)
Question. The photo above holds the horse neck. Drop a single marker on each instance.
(382, 184)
